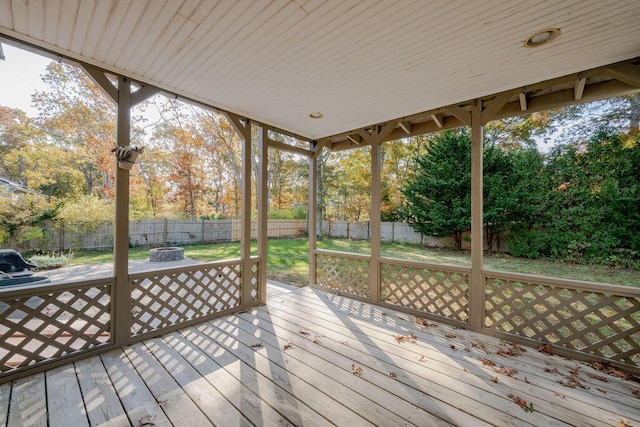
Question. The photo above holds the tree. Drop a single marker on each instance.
(439, 195)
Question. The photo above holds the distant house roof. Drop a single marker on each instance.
(9, 188)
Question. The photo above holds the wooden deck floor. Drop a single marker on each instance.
(313, 358)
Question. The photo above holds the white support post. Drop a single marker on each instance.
(476, 286)
(245, 239)
(312, 214)
(374, 220)
(122, 294)
(263, 195)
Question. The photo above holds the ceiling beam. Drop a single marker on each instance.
(494, 106)
(438, 119)
(405, 126)
(463, 115)
(626, 73)
(290, 148)
(578, 89)
(522, 98)
(144, 93)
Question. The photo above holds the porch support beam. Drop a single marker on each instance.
(578, 89)
(438, 119)
(476, 287)
(463, 115)
(522, 98)
(101, 80)
(313, 211)
(263, 164)
(494, 106)
(121, 292)
(626, 73)
(142, 94)
(286, 147)
(243, 127)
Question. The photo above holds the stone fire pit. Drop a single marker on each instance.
(166, 254)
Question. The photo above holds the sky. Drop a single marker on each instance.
(20, 78)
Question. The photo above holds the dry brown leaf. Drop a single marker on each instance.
(162, 402)
(356, 370)
(316, 341)
(636, 392)
(147, 420)
(256, 345)
(553, 371)
(560, 395)
(425, 322)
(623, 423)
(495, 380)
(465, 369)
(526, 380)
(450, 335)
(393, 375)
(599, 377)
(601, 390)
(422, 359)
(402, 318)
(487, 362)
(384, 313)
(287, 346)
(545, 348)
(452, 347)
(528, 407)
(510, 372)
(304, 332)
(405, 338)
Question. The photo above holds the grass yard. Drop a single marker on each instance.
(288, 260)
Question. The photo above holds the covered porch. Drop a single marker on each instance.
(342, 362)
(373, 340)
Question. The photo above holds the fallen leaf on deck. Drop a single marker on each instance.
(287, 346)
(552, 371)
(622, 423)
(560, 395)
(507, 371)
(636, 392)
(495, 380)
(425, 322)
(316, 341)
(521, 403)
(304, 332)
(422, 359)
(452, 347)
(575, 370)
(393, 375)
(545, 348)
(601, 390)
(356, 370)
(487, 362)
(599, 377)
(384, 313)
(405, 338)
(256, 345)
(147, 420)
(451, 336)
(402, 318)
(162, 402)
(465, 369)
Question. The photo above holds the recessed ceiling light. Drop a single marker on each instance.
(541, 37)
(316, 115)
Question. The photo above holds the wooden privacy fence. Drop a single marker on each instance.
(580, 319)
(157, 232)
(46, 325)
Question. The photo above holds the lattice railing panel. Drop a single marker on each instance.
(166, 298)
(49, 324)
(255, 280)
(589, 321)
(435, 291)
(343, 273)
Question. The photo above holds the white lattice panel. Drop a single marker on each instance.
(42, 326)
(168, 298)
(594, 322)
(435, 291)
(342, 273)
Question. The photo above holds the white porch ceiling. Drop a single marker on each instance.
(359, 62)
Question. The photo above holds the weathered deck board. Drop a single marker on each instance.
(100, 398)
(64, 399)
(5, 395)
(28, 404)
(235, 371)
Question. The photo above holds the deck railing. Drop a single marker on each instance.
(42, 326)
(584, 320)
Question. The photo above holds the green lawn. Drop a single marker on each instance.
(288, 260)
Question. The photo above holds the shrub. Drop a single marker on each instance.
(50, 261)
